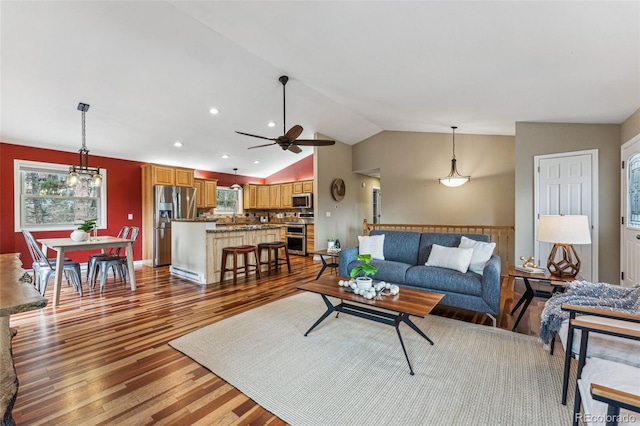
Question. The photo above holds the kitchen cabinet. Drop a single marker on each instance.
(286, 189)
(206, 192)
(310, 238)
(166, 175)
(274, 197)
(303, 187)
(263, 196)
(250, 196)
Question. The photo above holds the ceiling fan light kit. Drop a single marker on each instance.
(454, 179)
(289, 140)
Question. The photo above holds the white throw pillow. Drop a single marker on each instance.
(450, 257)
(373, 245)
(481, 253)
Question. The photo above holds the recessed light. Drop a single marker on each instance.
(214, 111)
(271, 124)
(225, 156)
(178, 144)
(256, 162)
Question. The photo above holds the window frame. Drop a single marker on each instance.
(220, 212)
(20, 165)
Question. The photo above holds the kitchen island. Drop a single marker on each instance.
(196, 246)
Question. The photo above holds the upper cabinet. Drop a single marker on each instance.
(303, 187)
(263, 196)
(273, 196)
(286, 189)
(167, 175)
(275, 202)
(206, 192)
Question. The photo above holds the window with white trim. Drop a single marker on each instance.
(228, 200)
(44, 202)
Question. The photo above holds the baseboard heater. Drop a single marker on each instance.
(197, 277)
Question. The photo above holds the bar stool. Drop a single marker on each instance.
(274, 247)
(236, 251)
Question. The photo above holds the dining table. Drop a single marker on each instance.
(65, 245)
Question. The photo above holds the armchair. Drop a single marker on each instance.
(608, 390)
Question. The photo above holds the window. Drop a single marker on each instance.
(633, 190)
(44, 201)
(228, 200)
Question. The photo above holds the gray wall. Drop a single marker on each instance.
(345, 223)
(410, 164)
(548, 138)
(631, 127)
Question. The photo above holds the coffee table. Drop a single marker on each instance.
(408, 302)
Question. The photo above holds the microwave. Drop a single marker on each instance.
(303, 201)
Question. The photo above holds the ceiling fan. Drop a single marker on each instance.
(289, 141)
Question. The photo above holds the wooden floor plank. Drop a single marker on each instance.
(105, 359)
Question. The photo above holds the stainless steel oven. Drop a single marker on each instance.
(296, 237)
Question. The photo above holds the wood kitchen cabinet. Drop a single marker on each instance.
(250, 196)
(275, 201)
(286, 189)
(303, 187)
(166, 175)
(310, 238)
(206, 192)
(263, 196)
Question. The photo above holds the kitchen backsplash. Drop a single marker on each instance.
(254, 216)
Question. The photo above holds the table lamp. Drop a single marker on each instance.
(564, 231)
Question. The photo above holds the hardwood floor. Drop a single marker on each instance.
(104, 358)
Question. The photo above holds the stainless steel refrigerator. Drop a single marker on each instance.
(170, 202)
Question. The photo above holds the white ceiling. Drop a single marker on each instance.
(152, 69)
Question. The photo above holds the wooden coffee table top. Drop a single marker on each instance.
(413, 302)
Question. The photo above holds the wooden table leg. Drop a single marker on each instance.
(8, 376)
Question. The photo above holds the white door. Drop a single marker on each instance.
(630, 232)
(566, 183)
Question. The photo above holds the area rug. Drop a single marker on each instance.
(351, 371)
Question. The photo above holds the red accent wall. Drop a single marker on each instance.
(124, 196)
(302, 170)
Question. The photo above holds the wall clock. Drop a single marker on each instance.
(338, 189)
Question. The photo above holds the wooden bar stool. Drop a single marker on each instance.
(246, 268)
(274, 248)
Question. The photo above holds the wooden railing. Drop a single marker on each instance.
(503, 235)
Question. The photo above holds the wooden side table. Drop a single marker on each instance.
(556, 282)
(333, 263)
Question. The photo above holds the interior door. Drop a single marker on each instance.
(566, 184)
(630, 232)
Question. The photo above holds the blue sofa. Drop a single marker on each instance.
(405, 255)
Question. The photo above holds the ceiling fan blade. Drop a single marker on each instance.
(314, 142)
(295, 148)
(293, 133)
(256, 136)
(262, 146)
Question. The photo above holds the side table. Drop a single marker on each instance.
(333, 263)
(556, 282)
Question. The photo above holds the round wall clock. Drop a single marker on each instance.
(338, 189)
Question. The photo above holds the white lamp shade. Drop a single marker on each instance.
(564, 229)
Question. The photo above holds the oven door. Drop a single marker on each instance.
(296, 244)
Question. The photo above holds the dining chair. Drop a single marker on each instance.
(44, 267)
(118, 264)
(92, 262)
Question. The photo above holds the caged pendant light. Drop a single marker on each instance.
(83, 168)
(454, 178)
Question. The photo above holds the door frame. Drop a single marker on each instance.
(595, 258)
(623, 201)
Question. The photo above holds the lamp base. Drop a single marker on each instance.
(563, 260)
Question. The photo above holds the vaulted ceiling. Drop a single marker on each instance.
(152, 70)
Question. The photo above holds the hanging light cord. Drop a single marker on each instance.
(454, 141)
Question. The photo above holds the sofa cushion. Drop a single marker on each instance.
(373, 245)
(388, 270)
(434, 278)
(400, 246)
(481, 253)
(447, 240)
(450, 257)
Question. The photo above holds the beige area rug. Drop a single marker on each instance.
(351, 371)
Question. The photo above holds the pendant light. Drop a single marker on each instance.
(454, 178)
(83, 168)
(235, 185)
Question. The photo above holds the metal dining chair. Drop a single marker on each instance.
(92, 262)
(118, 264)
(44, 267)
